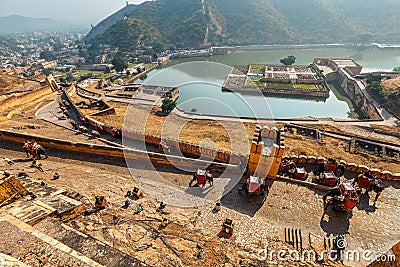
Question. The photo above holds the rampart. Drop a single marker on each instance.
(278, 91)
(343, 73)
(19, 99)
(354, 142)
(103, 150)
(187, 148)
(352, 87)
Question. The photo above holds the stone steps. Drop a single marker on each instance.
(87, 245)
(20, 240)
(50, 200)
(28, 211)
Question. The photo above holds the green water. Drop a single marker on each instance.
(200, 79)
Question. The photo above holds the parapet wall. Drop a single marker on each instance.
(103, 150)
(349, 166)
(187, 148)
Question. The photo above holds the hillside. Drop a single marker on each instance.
(377, 19)
(15, 24)
(391, 88)
(184, 23)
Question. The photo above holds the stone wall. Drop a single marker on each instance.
(18, 99)
(103, 150)
(342, 76)
(187, 148)
(353, 90)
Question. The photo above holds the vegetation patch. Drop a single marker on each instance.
(279, 85)
(305, 86)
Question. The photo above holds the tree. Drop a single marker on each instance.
(168, 105)
(69, 78)
(119, 64)
(396, 68)
(47, 72)
(158, 46)
(47, 55)
(288, 60)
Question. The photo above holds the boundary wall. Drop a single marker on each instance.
(109, 151)
(187, 148)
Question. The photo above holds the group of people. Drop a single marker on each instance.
(201, 177)
(34, 149)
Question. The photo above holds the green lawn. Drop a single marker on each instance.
(279, 85)
(305, 86)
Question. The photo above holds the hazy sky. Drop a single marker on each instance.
(74, 11)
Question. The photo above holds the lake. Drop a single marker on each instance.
(200, 79)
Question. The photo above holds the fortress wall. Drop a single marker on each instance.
(102, 150)
(343, 76)
(186, 148)
(16, 100)
(353, 90)
(349, 166)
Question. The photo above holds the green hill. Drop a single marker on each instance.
(186, 23)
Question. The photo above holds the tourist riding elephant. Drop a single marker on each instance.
(34, 149)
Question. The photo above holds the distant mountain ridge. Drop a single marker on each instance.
(18, 24)
(191, 23)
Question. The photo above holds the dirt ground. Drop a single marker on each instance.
(134, 233)
(9, 84)
(256, 220)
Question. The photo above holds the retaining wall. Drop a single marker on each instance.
(103, 150)
(16, 100)
(355, 93)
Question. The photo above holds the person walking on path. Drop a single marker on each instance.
(8, 161)
(36, 164)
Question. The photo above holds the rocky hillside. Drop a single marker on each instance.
(190, 23)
